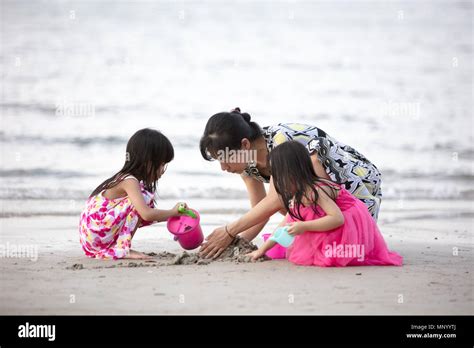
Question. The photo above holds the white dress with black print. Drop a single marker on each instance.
(342, 163)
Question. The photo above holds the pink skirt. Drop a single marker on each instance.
(358, 242)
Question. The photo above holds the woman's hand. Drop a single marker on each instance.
(256, 254)
(296, 228)
(215, 243)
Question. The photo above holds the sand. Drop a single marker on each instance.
(235, 252)
(437, 246)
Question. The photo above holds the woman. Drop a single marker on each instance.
(331, 159)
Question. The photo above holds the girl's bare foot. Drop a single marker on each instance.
(137, 255)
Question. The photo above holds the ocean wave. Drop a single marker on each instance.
(60, 193)
(227, 194)
(42, 108)
(17, 214)
(388, 175)
(462, 152)
(52, 109)
(434, 176)
(42, 172)
(33, 194)
(49, 140)
(81, 141)
(428, 194)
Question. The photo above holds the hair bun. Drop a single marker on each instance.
(244, 115)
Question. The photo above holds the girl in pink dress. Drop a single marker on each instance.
(330, 226)
(124, 202)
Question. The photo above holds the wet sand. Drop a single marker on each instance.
(435, 279)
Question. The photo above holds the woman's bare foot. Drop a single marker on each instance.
(137, 255)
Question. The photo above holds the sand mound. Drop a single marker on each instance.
(235, 252)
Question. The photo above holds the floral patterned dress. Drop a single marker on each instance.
(342, 163)
(106, 225)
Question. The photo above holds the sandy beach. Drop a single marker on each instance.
(435, 279)
(391, 79)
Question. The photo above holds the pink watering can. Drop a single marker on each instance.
(186, 228)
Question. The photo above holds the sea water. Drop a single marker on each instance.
(391, 79)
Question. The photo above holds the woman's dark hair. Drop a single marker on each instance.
(294, 177)
(147, 150)
(226, 130)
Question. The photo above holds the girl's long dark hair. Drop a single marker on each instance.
(147, 150)
(294, 177)
(226, 130)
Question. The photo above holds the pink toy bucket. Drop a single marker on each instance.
(187, 230)
(277, 252)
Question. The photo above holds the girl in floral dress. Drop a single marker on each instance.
(124, 202)
(331, 227)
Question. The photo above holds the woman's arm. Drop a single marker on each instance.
(221, 237)
(258, 214)
(256, 192)
(132, 188)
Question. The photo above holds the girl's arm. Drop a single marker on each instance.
(132, 188)
(267, 245)
(262, 250)
(333, 218)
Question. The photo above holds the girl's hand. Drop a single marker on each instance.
(255, 255)
(296, 228)
(175, 210)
